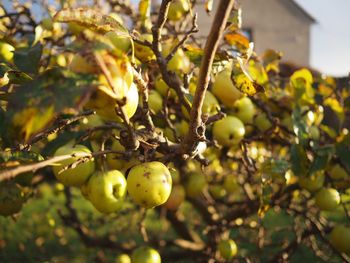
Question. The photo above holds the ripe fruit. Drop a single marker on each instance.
(75, 28)
(122, 43)
(84, 65)
(176, 198)
(327, 199)
(106, 190)
(340, 238)
(155, 101)
(6, 52)
(224, 89)
(217, 191)
(145, 255)
(144, 53)
(227, 249)
(262, 122)
(149, 184)
(112, 159)
(47, 23)
(312, 182)
(228, 131)
(73, 176)
(244, 110)
(178, 9)
(210, 103)
(11, 198)
(163, 88)
(123, 258)
(337, 172)
(175, 176)
(195, 184)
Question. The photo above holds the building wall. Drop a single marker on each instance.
(275, 24)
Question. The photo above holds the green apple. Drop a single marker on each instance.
(155, 101)
(11, 198)
(262, 122)
(145, 255)
(217, 191)
(178, 9)
(227, 249)
(195, 184)
(210, 104)
(224, 89)
(228, 131)
(6, 52)
(113, 160)
(80, 173)
(144, 53)
(312, 182)
(47, 23)
(244, 109)
(230, 184)
(84, 65)
(106, 190)
(340, 238)
(337, 172)
(176, 198)
(149, 184)
(179, 62)
(122, 43)
(163, 88)
(327, 199)
(175, 175)
(123, 258)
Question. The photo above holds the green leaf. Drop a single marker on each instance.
(343, 152)
(299, 160)
(322, 157)
(91, 19)
(27, 59)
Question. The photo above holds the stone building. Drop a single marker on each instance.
(278, 24)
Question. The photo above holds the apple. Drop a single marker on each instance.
(178, 9)
(155, 101)
(6, 52)
(47, 24)
(230, 184)
(228, 131)
(149, 184)
(210, 103)
(224, 89)
(11, 198)
(312, 182)
(227, 249)
(123, 258)
(175, 175)
(84, 65)
(122, 43)
(262, 122)
(195, 184)
(340, 238)
(75, 28)
(179, 62)
(144, 53)
(327, 199)
(145, 255)
(244, 109)
(337, 172)
(163, 88)
(106, 190)
(73, 176)
(176, 198)
(112, 159)
(217, 191)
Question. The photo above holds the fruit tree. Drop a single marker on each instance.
(125, 136)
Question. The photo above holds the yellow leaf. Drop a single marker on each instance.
(238, 40)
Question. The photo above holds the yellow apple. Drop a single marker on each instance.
(195, 184)
(113, 160)
(340, 238)
(227, 249)
(149, 184)
(6, 52)
(262, 122)
(123, 258)
(224, 89)
(74, 176)
(178, 9)
(312, 182)
(337, 172)
(11, 198)
(106, 190)
(176, 198)
(145, 255)
(228, 131)
(155, 101)
(85, 65)
(244, 109)
(144, 53)
(327, 199)
(163, 88)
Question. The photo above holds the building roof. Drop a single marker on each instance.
(303, 11)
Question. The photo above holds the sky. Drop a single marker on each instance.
(330, 36)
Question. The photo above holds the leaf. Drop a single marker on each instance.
(334, 104)
(322, 158)
(145, 9)
(10, 76)
(38, 34)
(343, 152)
(299, 160)
(91, 19)
(195, 54)
(238, 40)
(27, 59)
